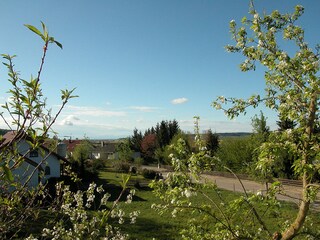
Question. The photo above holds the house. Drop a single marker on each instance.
(88, 148)
(72, 144)
(37, 165)
(103, 149)
(99, 149)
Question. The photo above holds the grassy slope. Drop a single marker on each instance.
(151, 225)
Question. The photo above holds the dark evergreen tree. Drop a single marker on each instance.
(163, 134)
(212, 141)
(173, 128)
(284, 124)
(135, 140)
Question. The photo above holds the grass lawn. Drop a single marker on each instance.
(151, 225)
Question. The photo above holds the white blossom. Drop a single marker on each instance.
(174, 213)
(187, 193)
(273, 29)
(133, 216)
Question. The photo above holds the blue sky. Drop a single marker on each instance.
(135, 63)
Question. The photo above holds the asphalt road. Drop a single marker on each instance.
(289, 193)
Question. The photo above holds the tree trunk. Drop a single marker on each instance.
(291, 232)
(294, 228)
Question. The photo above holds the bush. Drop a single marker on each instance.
(121, 166)
(139, 161)
(236, 153)
(149, 174)
(92, 166)
(133, 170)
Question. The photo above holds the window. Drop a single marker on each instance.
(34, 153)
(47, 170)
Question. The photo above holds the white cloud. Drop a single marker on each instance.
(69, 120)
(139, 120)
(68, 123)
(179, 100)
(143, 108)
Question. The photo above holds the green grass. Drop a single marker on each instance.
(151, 225)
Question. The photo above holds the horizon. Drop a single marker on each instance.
(124, 137)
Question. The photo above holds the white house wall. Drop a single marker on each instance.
(23, 172)
(52, 161)
(23, 146)
(54, 165)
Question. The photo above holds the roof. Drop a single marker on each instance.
(71, 144)
(12, 136)
(107, 147)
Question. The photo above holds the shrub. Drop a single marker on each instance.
(121, 166)
(149, 174)
(133, 170)
(94, 165)
(236, 154)
(139, 161)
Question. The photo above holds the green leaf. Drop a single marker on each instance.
(125, 179)
(44, 27)
(35, 30)
(8, 173)
(45, 32)
(58, 44)
(51, 40)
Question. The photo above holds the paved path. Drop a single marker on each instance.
(291, 193)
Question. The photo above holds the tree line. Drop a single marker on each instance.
(154, 143)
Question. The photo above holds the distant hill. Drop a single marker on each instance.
(190, 136)
(234, 134)
(223, 135)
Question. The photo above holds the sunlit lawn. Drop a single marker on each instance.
(151, 225)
